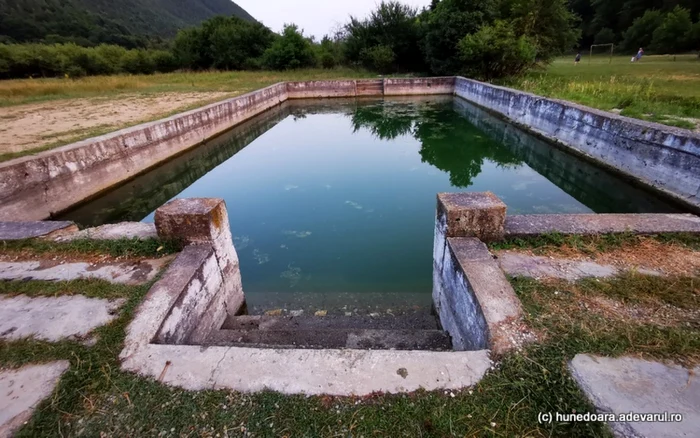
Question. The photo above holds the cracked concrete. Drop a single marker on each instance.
(122, 230)
(54, 318)
(22, 390)
(524, 265)
(130, 272)
(623, 385)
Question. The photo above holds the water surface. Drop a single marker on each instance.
(332, 202)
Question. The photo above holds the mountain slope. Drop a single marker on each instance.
(125, 22)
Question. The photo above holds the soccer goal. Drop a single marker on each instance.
(600, 49)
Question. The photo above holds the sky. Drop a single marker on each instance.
(316, 17)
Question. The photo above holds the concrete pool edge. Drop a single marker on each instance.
(662, 158)
(164, 341)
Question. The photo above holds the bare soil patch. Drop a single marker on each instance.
(646, 253)
(34, 126)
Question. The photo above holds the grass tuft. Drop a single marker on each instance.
(127, 248)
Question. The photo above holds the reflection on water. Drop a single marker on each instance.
(338, 196)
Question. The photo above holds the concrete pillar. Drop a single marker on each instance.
(204, 221)
(472, 214)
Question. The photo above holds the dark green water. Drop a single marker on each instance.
(332, 202)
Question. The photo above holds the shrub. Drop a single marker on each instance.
(291, 50)
(378, 58)
(496, 52)
(164, 61)
(137, 61)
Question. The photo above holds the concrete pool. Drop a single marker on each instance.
(332, 202)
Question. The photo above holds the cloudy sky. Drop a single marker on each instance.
(316, 17)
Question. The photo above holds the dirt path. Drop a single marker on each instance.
(33, 126)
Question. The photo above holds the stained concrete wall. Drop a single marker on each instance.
(413, 86)
(42, 185)
(455, 303)
(35, 187)
(661, 157)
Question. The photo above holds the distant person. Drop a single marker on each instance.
(639, 55)
(578, 58)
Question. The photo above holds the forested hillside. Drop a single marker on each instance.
(129, 23)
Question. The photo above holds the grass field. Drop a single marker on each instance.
(664, 89)
(21, 91)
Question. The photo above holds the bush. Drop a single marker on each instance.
(112, 55)
(137, 61)
(496, 52)
(378, 58)
(164, 61)
(291, 50)
(58, 60)
(327, 60)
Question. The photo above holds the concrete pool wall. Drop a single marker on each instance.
(660, 157)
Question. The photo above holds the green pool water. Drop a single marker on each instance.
(332, 202)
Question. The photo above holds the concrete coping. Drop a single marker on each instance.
(34, 229)
(589, 224)
(494, 294)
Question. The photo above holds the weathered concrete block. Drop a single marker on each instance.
(192, 220)
(472, 214)
(205, 221)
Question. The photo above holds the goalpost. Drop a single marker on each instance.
(612, 48)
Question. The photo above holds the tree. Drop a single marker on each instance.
(291, 50)
(605, 36)
(447, 24)
(228, 43)
(549, 24)
(642, 29)
(496, 51)
(378, 58)
(392, 25)
(694, 36)
(672, 35)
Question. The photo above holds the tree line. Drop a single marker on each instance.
(484, 39)
(661, 26)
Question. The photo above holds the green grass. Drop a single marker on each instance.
(125, 247)
(593, 244)
(21, 91)
(91, 288)
(95, 398)
(663, 89)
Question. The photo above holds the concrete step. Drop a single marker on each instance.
(416, 321)
(370, 339)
